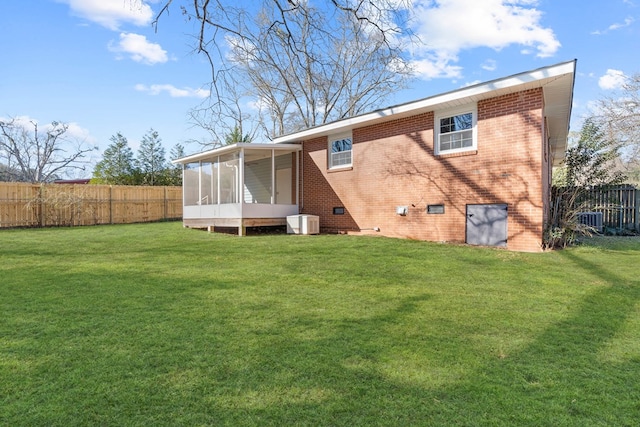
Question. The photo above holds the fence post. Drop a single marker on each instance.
(40, 206)
(636, 209)
(110, 204)
(165, 203)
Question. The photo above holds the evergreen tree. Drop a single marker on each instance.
(117, 166)
(236, 136)
(591, 161)
(174, 172)
(151, 159)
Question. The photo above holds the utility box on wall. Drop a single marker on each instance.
(303, 224)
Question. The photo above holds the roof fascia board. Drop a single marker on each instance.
(538, 77)
(237, 147)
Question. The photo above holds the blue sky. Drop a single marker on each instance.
(100, 66)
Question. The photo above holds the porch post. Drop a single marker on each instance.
(298, 154)
(199, 187)
(184, 166)
(241, 179)
(273, 176)
(218, 179)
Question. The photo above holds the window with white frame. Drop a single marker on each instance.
(340, 151)
(456, 131)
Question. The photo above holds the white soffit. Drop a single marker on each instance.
(227, 149)
(557, 81)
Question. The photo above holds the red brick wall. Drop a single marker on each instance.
(394, 165)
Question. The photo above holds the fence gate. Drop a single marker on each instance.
(487, 225)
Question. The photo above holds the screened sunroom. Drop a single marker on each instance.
(240, 185)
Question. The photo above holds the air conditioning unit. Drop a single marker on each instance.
(592, 219)
(303, 224)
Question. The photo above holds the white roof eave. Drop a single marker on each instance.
(558, 77)
(556, 80)
(236, 147)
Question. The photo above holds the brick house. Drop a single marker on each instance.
(472, 165)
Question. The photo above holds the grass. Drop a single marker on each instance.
(158, 325)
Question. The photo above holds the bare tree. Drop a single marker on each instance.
(619, 117)
(305, 65)
(226, 114)
(41, 156)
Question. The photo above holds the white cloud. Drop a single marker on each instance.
(258, 104)
(627, 22)
(431, 68)
(448, 27)
(173, 91)
(19, 120)
(112, 13)
(74, 132)
(139, 49)
(616, 26)
(489, 65)
(613, 79)
(77, 132)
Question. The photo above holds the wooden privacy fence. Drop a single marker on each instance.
(620, 205)
(43, 205)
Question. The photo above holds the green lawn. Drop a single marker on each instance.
(154, 325)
